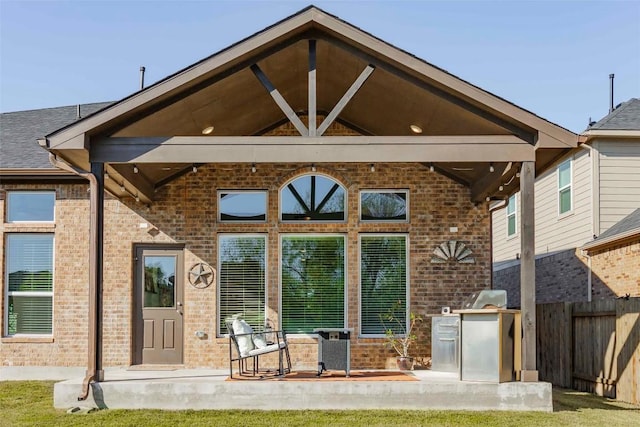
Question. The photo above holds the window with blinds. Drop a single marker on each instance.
(384, 205)
(383, 280)
(312, 282)
(29, 276)
(241, 279)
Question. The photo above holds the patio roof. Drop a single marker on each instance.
(312, 64)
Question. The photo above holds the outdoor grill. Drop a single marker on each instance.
(334, 350)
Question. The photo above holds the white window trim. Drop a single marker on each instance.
(346, 201)
(569, 186)
(7, 207)
(266, 207)
(408, 274)
(384, 191)
(514, 214)
(346, 278)
(51, 293)
(266, 274)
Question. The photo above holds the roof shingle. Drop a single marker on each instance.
(625, 117)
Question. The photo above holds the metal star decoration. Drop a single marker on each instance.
(201, 275)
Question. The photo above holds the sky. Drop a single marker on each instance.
(550, 57)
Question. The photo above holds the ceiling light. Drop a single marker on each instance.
(194, 169)
(135, 169)
(372, 168)
(415, 128)
(208, 130)
(501, 188)
(253, 168)
(431, 168)
(491, 168)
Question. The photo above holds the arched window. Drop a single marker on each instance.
(313, 198)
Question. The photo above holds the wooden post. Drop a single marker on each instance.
(312, 88)
(528, 273)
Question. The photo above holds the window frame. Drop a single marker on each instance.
(241, 221)
(345, 301)
(220, 237)
(384, 191)
(314, 221)
(407, 279)
(568, 187)
(8, 293)
(514, 214)
(10, 193)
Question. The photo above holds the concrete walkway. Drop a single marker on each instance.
(207, 389)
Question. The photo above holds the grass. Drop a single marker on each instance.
(30, 403)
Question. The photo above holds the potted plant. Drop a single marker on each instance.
(400, 333)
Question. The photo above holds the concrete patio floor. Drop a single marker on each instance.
(208, 389)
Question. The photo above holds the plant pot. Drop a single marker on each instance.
(404, 363)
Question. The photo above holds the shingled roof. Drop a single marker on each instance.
(19, 131)
(625, 117)
(627, 227)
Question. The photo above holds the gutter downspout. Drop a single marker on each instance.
(94, 367)
(585, 253)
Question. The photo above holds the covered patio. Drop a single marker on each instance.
(309, 97)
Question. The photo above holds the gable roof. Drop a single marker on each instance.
(20, 130)
(627, 227)
(625, 117)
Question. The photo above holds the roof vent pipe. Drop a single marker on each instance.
(78, 115)
(611, 76)
(142, 78)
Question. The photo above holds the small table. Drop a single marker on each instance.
(334, 349)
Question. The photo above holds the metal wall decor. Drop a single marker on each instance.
(202, 275)
(452, 250)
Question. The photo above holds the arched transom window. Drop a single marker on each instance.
(313, 198)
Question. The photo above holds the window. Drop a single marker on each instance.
(383, 279)
(241, 279)
(29, 276)
(312, 282)
(564, 187)
(313, 198)
(30, 206)
(384, 205)
(512, 216)
(242, 206)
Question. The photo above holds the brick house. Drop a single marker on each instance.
(308, 176)
(587, 194)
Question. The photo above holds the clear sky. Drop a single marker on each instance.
(550, 57)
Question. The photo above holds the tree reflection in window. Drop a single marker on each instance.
(383, 205)
(159, 281)
(312, 198)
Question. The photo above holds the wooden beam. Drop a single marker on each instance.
(528, 272)
(312, 88)
(280, 101)
(364, 75)
(137, 180)
(221, 149)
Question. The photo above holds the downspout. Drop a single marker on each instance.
(94, 367)
(585, 253)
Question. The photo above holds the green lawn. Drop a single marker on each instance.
(30, 403)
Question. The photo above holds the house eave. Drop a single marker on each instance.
(612, 240)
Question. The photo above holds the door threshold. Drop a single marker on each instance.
(150, 367)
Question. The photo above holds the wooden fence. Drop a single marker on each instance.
(592, 347)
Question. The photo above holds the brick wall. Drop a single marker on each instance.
(563, 276)
(186, 212)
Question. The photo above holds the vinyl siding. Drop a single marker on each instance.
(619, 180)
(553, 232)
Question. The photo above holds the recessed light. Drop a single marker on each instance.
(207, 130)
(415, 129)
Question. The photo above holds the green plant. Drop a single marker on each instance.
(399, 333)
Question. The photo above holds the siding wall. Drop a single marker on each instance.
(619, 180)
(552, 232)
